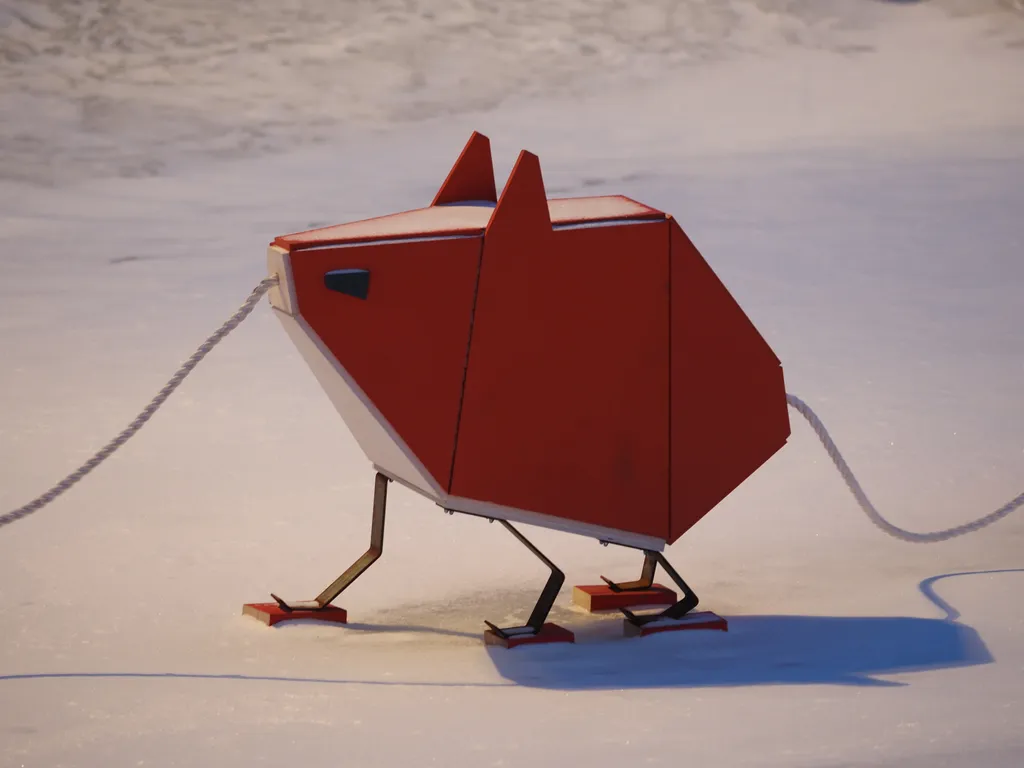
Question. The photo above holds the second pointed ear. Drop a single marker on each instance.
(471, 179)
(524, 203)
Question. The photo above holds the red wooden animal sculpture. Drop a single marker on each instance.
(568, 363)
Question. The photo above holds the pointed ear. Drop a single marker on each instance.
(523, 205)
(472, 176)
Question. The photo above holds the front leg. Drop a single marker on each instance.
(359, 567)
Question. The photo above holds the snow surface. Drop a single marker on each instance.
(854, 171)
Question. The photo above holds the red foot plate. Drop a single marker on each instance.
(600, 598)
(549, 633)
(698, 620)
(272, 613)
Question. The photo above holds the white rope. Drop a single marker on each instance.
(844, 469)
(265, 285)
(186, 368)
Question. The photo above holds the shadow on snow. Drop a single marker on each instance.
(761, 650)
(757, 650)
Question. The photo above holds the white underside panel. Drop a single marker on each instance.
(379, 441)
(498, 512)
(526, 517)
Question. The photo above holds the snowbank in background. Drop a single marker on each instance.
(108, 87)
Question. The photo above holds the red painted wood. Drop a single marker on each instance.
(272, 613)
(598, 598)
(729, 411)
(566, 401)
(612, 379)
(549, 633)
(422, 222)
(578, 210)
(405, 344)
(472, 176)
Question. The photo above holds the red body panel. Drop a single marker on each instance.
(599, 374)
(729, 411)
(406, 344)
(566, 404)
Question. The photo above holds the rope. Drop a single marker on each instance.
(873, 514)
(186, 368)
(265, 285)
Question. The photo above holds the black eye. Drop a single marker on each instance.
(351, 282)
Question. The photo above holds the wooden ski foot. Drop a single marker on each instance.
(549, 633)
(600, 598)
(272, 613)
(697, 620)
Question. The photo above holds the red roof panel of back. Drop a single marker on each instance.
(448, 220)
(578, 210)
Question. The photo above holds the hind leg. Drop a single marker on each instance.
(678, 609)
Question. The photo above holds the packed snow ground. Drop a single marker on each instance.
(864, 206)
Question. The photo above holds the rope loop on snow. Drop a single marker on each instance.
(186, 368)
(869, 509)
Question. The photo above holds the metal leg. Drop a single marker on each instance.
(678, 609)
(644, 582)
(544, 602)
(339, 585)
